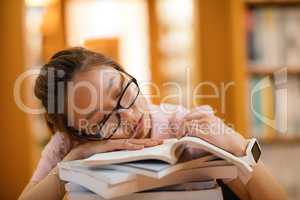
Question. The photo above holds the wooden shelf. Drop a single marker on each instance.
(286, 140)
(272, 2)
(265, 70)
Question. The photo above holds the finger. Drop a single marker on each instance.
(146, 142)
(178, 133)
(202, 126)
(131, 146)
(204, 109)
(167, 135)
(195, 116)
(203, 136)
(198, 132)
(152, 143)
(121, 133)
(113, 145)
(205, 120)
(143, 141)
(122, 144)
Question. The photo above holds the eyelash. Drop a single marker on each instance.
(99, 121)
(119, 93)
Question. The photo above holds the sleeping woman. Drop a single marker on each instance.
(93, 106)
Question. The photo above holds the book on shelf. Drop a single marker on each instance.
(278, 103)
(265, 42)
(291, 32)
(191, 190)
(119, 173)
(288, 118)
(262, 106)
(255, 107)
(268, 109)
(273, 36)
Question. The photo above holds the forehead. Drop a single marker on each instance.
(96, 75)
(94, 79)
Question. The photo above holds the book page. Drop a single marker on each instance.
(108, 176)
(158, 166)
(200, 143)
(160, 152)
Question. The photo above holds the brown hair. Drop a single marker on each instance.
(61, 68)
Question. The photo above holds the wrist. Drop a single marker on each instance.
(60, 184)
(75, 154)
(54, 172)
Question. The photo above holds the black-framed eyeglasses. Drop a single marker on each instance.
(108, 126)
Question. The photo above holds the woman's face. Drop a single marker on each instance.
(93, 96)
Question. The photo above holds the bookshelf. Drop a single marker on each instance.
(224, 56)
(286, 140)
(278, 22)
(272, 2)
(265, 70)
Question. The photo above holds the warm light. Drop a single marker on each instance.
(37, 3)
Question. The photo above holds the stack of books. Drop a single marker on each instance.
(189, 191)
(155, 172)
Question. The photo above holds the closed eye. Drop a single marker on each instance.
(100, 122)
(120, 87)
(119, 92)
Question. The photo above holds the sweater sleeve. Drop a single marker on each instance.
(56, 149)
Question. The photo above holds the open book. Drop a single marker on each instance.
(159, 169)
(168, 152)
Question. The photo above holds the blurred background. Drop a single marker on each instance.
(248, 48)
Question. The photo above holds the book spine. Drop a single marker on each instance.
(268, 110)
(256, 106)
(291, 36)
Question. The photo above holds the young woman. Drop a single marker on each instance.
(94, 106)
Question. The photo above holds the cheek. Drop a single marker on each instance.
(141, 104)
(122, 133)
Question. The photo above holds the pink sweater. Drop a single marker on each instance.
(166, 120)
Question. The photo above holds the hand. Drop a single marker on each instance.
(89, 148)
(212, 129)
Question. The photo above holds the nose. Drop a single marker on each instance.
(127, 115)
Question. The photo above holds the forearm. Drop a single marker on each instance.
(50, 188)
(261, 186)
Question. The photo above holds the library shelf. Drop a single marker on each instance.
(266, 70)
(281, 140)
(272, 2)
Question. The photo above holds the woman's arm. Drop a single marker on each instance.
(52, 188)
(262, 185)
